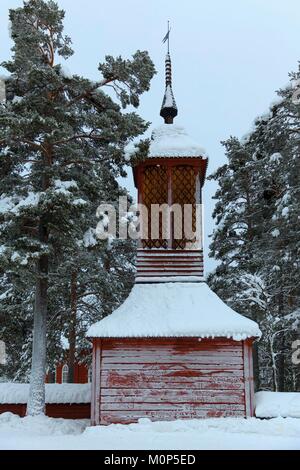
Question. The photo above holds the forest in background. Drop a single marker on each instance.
(62, 149)
(257, 236)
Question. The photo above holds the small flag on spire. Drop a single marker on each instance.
(165, 39)
(167, 36)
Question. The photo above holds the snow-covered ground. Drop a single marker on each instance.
(275, 404)
(221, 433)
(226, 433)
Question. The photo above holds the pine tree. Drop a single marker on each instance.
(93, 280)
(257, 235)
(57, 131)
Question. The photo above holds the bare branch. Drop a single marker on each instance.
(90, 136)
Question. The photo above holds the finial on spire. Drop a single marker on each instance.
(169, 109)
(167, 37)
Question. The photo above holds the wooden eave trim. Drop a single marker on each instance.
(196, 338)
(171, 162)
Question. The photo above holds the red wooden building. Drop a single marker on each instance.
(60, 373)
(173, 349)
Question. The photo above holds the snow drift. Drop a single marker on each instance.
(276, 404)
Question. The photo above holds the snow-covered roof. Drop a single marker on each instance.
(171, 140)
(174, 310)
(17, 393)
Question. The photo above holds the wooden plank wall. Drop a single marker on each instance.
(166, 379)
(248, 377)
(169, 263)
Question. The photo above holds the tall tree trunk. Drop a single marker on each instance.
(72, 328)
(273, 362)
(281, 364)
(281, 350)
(36, 400)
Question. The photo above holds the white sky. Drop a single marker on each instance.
(228, 57)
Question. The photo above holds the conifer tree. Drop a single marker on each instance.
(56, 133)
(257, 235)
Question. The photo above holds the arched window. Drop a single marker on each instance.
(90, 375)
(65, 374)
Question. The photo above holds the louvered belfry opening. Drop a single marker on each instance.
(173, 186)
(171, 248)
(183, 194)
(155, 191)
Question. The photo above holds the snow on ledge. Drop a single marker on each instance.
(148, 280)
(174, 310)
(277, 404)
(17, 393)
(170, 140)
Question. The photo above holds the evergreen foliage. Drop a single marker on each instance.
(62, 146)
(257, 238)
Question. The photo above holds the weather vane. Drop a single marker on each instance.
(167, 37)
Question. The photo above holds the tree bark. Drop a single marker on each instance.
(72, 328)
(274, 365)
(36, 400)
(281, 364)
(281, 350)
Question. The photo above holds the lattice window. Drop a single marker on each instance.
(155, 191)
(184, 192)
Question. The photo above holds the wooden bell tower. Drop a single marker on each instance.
(173, 349)
(173, 180)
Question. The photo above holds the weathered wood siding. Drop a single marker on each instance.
(166, 379)
(168, 263)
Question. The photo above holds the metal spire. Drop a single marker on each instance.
(169, 29)
(169, 108)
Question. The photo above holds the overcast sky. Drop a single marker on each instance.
(228, 58)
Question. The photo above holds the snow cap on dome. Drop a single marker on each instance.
(170, 140)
